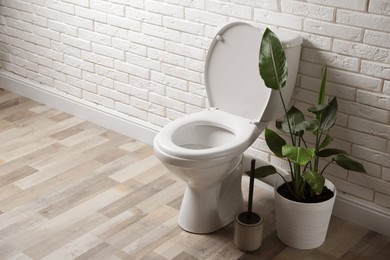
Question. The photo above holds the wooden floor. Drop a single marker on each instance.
(72, 190)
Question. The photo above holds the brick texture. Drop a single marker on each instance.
(144, 59)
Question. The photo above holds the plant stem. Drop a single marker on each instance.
(291, 169)
(288, 121)
(329, 163)
(304, 142)
(298, 188)
(316, 158)
(286, 182)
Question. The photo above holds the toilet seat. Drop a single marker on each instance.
(232, 79)
(234, 86)
(233, 135)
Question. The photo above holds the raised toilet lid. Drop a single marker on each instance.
(232, 77)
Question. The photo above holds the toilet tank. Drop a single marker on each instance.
(292, 48)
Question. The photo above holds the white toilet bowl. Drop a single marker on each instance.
(205, 149)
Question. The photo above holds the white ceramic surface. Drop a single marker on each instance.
(303, 225)
(232, 77)
(208, 206)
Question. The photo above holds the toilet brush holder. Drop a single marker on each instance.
(248, 235)
(248, 225)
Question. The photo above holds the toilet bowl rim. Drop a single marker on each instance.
(243, 130)
(169, 159)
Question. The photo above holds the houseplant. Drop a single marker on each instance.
(305, 186)
(248, 225)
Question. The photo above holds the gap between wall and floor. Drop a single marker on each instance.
(346, 207)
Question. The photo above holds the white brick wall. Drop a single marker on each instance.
(144, 59)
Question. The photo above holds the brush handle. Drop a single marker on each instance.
(251, 183)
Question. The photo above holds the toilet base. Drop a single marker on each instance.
(207, 209)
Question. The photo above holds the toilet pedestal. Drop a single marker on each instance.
(207, 209)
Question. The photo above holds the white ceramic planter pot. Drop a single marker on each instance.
(248, 237)
(303, 225)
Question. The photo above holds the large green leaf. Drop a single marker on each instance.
(320, 106)
(300, 128)
(315, 180)
(321, 94)
(279, 126)
(299, 155)
(263, 171)
(327, 140)
(329, 152)
(296, 119)
(317, 109)
(309, 125)
(328, 117)
(347, 163)
(274, 142)
(272, 61)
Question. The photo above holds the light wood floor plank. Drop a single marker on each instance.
(72, 190)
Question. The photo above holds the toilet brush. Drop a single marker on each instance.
(248, 224)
